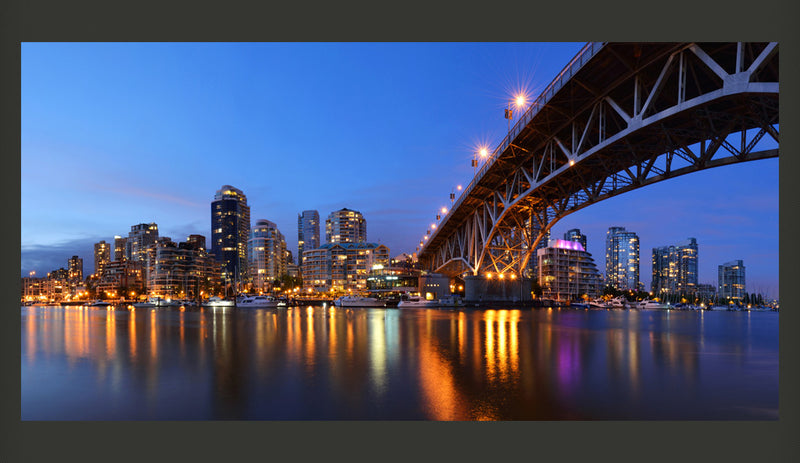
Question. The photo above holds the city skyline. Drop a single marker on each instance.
(431, 92)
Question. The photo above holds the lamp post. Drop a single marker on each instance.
(519, 102)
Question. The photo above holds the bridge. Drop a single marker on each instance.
(619, 116)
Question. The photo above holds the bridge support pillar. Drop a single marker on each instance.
(482, 290)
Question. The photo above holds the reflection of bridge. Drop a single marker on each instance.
(620, 116)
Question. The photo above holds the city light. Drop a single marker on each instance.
(444, 210)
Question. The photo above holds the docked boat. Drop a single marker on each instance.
(599, 304)
(257, 302)
(99, 303)
(358, 301)
(579, 305)
(216, 301)
(415, 302)
(649, 304)
(618, 302)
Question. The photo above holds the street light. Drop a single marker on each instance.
(519, 102)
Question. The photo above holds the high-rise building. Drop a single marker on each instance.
(75, 266)
(102, 256)
(533, 261)
(731, 280)
(141, 237)
(675, 268)
(576, 235)
(230, 230)
(307, 232)
(120, 244)
(345, 226)
(266, 255)
(622, 259)
(567, 272)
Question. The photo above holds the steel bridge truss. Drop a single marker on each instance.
(679, 109)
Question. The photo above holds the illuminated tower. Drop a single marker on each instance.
(345, 226)
(230, 229)
(731, 280)
(140, 238)
(120, 244)
(75, 269)
(266, 255)
(576, 235)
(622, 259)
(307, 232)
(675, 268)
(102, 255)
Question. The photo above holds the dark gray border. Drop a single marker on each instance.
(620, 20)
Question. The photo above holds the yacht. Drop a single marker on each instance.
(618, 302)
(257, 302)
(358, 301)
(99, 303)
(599, 304)
(413, 302)
(216, 301)
(649, 304)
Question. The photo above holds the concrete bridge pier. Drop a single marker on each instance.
(482, 290)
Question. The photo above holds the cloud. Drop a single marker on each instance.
(46, 258)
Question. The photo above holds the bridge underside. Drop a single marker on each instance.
(632, 115)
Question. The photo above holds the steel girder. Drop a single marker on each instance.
(634, 115)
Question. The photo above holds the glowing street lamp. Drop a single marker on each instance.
(519, 103)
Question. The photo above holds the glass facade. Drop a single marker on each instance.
(731, 280)
(230, 230)
(307, 232)
(675, 268)
(622, 259)
(576, 235)
(345, 226)
(267, 255)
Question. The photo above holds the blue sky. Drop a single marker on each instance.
(115, 134)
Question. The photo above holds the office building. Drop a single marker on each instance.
(675, 268)
(307, 232)
(102, 256)
(567, 272)
(230, 230)
(267, 255)
(622, 259)
(120, 245)
(345, 226)
(140, 238)
(121, 279)
(342, 266)
(731, 281)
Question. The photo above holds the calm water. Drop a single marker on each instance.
(318, 363)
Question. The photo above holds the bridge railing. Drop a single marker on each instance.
(581, 58)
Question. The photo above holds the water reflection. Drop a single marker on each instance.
(332, 363)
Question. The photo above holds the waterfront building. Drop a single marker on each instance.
(675, 268)
(75, 266)
(121, 279)
(567, 272)
(120, 244)
(102, 256)
(622, 259)
(267, 255)
(342, 266)
(731, 280)
(706, 290)
(576, 235)
(180, 270)
(230, 230)
(36, 289)
(140, 238)
(345, 226)
(307, 232)
(394, 277)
